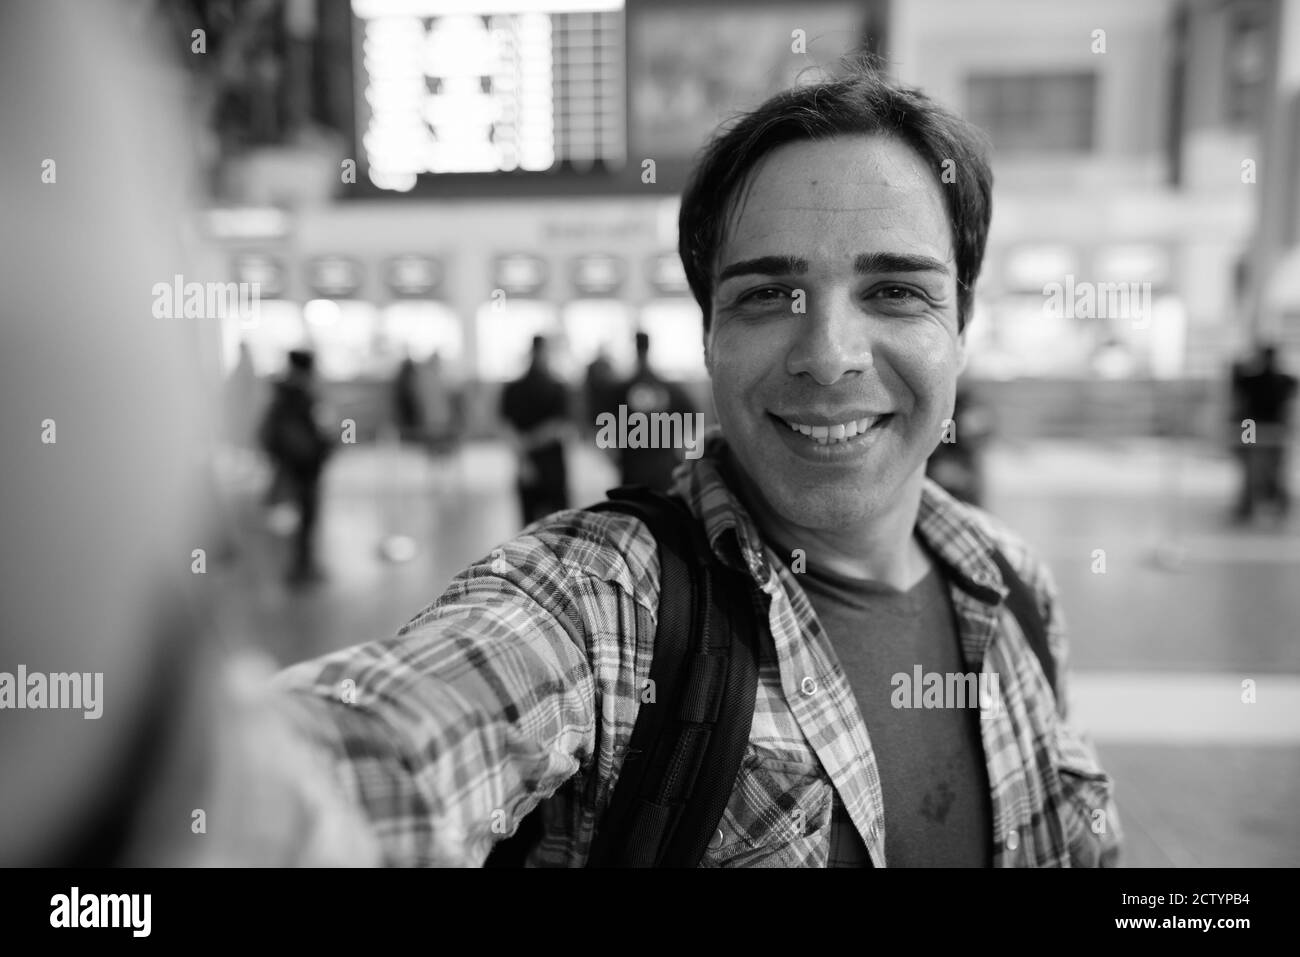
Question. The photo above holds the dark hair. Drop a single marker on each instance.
(642, 343)
(864, 102)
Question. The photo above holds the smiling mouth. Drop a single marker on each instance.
(834, 434)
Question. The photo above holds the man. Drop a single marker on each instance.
(835, 270)
(1264, 396)
(650, 394)
(536, 407)
(298, 450)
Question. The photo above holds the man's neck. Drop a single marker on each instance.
(883, 548)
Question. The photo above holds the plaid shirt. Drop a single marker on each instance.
(522, 682)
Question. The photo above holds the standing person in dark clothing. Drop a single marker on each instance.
(408, 408)
(536, 407)
(649, 393)
(957, 462)
(599, 389)
(298, 450)
(1264, 395)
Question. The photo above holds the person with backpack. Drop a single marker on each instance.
(807, 653)
(298, 450)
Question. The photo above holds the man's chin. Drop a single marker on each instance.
(827, 511)
(816, 509)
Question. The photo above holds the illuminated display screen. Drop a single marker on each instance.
(458, 86)
(413, 277)
(334, 276)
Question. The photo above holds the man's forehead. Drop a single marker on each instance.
(867, 189)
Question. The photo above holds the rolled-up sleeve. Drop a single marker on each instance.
(449, 733)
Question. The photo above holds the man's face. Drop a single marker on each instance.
(835, 309)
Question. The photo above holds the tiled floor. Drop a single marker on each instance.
(1186, 610)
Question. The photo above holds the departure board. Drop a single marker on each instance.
(458, 86)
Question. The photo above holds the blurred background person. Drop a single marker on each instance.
(243, 403)
(648, 392)
(408, 403)
(599, 389)
(1265, 400)
(958, 465)
(292, 438)
(441, 405)
(536, 407)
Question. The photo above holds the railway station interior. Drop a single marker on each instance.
(416, 189)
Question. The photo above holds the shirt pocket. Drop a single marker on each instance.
(778, 816)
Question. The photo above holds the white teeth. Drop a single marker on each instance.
(831, 434)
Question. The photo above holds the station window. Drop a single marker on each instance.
(1035, 112)
(419, 328)
(593, 326)
(676, 330)
(277, 328)
(342, 332)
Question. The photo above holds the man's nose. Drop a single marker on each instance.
(832, 340)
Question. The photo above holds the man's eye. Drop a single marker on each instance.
(900, 294)
(767, 294)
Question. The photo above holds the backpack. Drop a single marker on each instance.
(685, 752)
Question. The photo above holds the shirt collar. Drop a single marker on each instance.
(949, 529)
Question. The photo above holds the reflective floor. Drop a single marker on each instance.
(1177, 617)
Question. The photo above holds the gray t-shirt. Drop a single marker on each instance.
(931, 759)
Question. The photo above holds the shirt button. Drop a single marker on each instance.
(1013, 840)
(715, 842)
(808, 686)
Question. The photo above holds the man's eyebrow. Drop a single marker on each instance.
(765, 266)
(896, 262)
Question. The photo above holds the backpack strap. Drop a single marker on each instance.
(1023, 604)
(692, 727)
